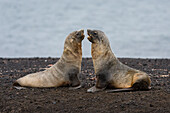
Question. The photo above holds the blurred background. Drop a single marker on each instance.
(38, 28)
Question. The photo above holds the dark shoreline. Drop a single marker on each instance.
(63, 100)
(82, 58)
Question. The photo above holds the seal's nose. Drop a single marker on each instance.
(82, 31)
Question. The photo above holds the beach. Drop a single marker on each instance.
(62, 99)
(32, 39)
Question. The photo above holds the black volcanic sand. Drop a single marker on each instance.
(62, 99)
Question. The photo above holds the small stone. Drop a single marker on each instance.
(151, 105)
(145, 64)
(54, 102)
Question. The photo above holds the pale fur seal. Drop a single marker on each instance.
(64, 72)
(110, 72)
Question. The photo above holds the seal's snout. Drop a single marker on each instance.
(80, 34)
(90, 37)
(81, 31)
(89, 32)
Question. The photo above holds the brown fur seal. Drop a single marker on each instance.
(110, 72)
(64, 72)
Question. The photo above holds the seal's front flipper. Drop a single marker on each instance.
(74, 80)
(77, 87)
(82, 85)
(94, 89)
(120, 90)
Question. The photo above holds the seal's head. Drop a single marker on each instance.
(72, 46)
(100, 43)
(76, 36)
(96, 36)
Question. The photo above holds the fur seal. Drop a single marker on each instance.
(110, 72)
(64, 72)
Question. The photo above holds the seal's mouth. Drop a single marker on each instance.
(82, 34)
(90, 37)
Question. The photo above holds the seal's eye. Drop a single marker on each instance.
(78, 34)
(95, 33)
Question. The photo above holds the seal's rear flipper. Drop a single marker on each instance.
(19, 88)
(127, 89)
(16, 84)
(120, 90)
(94, 89)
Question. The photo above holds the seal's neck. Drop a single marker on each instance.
(72, 54)
(99, 51)
(102, 57)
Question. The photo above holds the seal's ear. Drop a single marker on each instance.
(102, 40)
